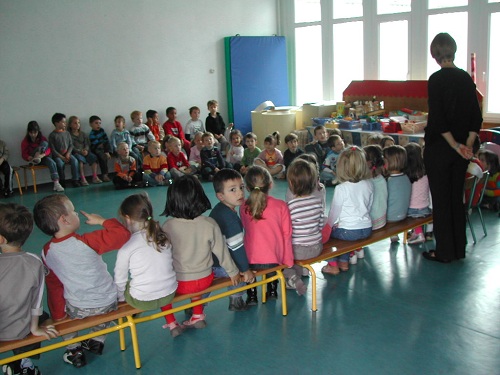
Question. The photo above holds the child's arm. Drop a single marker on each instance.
(112, 142)
(149, 134)
(55, 295)
(219, 248)
(112, 237)
(172, 164)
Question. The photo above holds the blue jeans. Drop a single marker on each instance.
(73, 162)
(419, 212)
(89, 159)
(348, 235)
(51, 164)
(149, 179)
(221, 272)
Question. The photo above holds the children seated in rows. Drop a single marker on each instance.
(271, 158)
(120, 134)
(35, 150)
(174, 128)
(293, 150)
(194, 124)
(211, 158)
(155, 166)
(250, 153)
(99, 145)
(61, 145)
(140, 132)
(126, 171)
(81, 151)
(153, 123)
(78, 283)
(177, 162)
(235, 152)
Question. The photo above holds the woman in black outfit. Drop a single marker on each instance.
(453, 123)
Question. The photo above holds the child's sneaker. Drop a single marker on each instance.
(36, 161)
(353, 258)
(360, 253)
(344, 266)
(58, 187)
(416, 239)
(93, 346)
(84, 182)
(75, 357)
(237, 304)
(395, 238)
(31, 371)
(305, 272)
(197, 321)
(96, 180)
(295, 283)
(175, 329)
(105, 178)
(331, 270)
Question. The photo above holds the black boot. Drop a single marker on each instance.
(272, 290)
(252, 297)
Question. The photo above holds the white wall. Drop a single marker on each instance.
(110, 57)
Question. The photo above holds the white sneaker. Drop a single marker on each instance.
(360, 253)
(416, 239)
(353, 259)
(305, 272)
(58, 187)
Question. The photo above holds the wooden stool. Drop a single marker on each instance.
(33, 169)
(16, 175)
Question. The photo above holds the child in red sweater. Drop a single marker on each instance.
(177, 161)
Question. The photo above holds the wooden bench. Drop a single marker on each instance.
(125, 315)
(336, 247)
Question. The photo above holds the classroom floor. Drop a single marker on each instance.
(392, 313)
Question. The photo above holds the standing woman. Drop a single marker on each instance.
(454, 121)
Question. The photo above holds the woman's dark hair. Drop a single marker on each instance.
(33, 127)
(415, 168)
(186, 199)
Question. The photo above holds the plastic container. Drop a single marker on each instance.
(348, 125)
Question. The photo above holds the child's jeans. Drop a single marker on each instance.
(73, 162)
(150, 180)
(419, 212)
(221, 272)
(90, 159)
(80, 313)
(348, 235)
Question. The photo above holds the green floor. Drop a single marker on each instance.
(392, 313)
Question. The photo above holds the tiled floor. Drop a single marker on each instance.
(392, 313)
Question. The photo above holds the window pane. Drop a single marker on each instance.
(307, 10)
(493, 85)
(393, 50)
(347, 63)
(393, 6)
(454, 24)
(436, 4)
(308, 64)
(347, 8)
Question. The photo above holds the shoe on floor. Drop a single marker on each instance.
(8, 193)
(416, 239)
(96, 180)
(344, 266)
(395, 238)
(353, 258)
(360, 253)
(58, 187)
(76, 183)
(197, 321)
(75, 357)
(305, 272)
(105, 178)
(331, 270)
(84, 182)
(237, 304)
(93, 346)
(296, 283)
(175, 329)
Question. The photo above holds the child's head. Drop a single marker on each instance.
(122, 149)
(250, 140)
(174, 145)
(490, 161)
(443, 47)
(258, 182)
(229, 187)
(120, 123)
(33, 133)
(53, 212)
(208, 140)
(415, 168)
(198, 139)
(171, 113)
(95, 122)
(137, 213)
(352, 166)
(186, 198)
(387, 141)
(271, 141)
(311, 158)
(136, 117)
(292, 142)
(74, 123)
(212, 106)
(194, 112)
(16, 224)
(152, 116)
(302, 177)
(154, 148)
(374, 159)
(336, 143)
(395, 159)
(59, 121)
(236, 137)
(374, 139)
(320, 134)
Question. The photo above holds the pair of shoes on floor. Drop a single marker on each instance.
(416, 239)
(93, 346)
(197, 321)
(75, 357)
(96, 180)
(353, 258)
(296, 283)
(331, 270)
(237, 304)
(84, 181)
(58, 187)
(431, 255)
(175, 329)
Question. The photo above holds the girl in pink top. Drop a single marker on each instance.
(271, 158)
(268, 229)
(420, 197)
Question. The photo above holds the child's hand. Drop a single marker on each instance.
(93, 219)
(47, 331)
(159, 178)
(248, 276)
(235, 279)
(230, 126)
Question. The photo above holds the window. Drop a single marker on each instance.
(308, 60)
(493, 86)
(393, 6)
(393, 50)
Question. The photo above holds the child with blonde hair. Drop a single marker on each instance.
(349, 215)
(126, 173)
(271, 158)
(155, 166)
(177, 162)
(268, 229)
